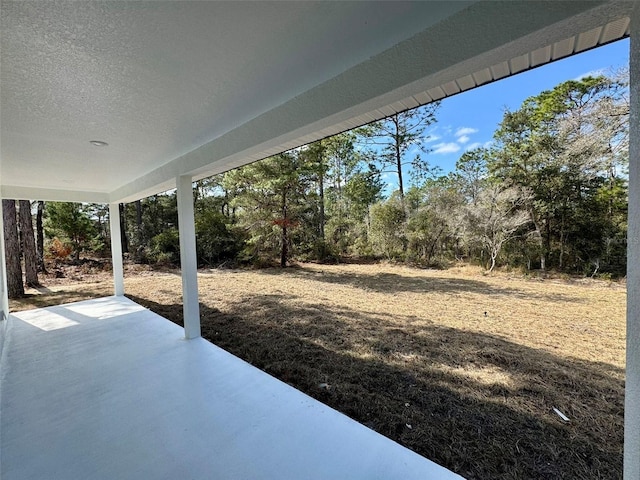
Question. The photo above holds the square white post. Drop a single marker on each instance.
(632, 384)
(116, 249)
(188, 258)
(4, 293)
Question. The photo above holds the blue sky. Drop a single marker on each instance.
(468, 120)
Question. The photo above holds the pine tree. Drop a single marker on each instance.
(271, 197)
(28, 244)
(398, 136)
(15, 287)
(71, 222)
(40, 237)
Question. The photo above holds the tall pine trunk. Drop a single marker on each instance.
(397, 153)
(123, 231)
(322, 220)
(28, 244)
(539, 240)
(139, 214)
(139, 240)
(284, 252)
(15, 287)
(321, 174)
(398, 156)
(40, 237)
(547, 242)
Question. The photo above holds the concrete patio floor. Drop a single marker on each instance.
(106, 389)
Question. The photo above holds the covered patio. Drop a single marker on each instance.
(109, 102)
(107, 389)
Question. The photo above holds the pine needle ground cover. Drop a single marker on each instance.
(463, 368)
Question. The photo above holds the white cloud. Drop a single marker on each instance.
(464, 131)
(432, 138)
(463, 139)
(443, 148)
(413, 151)
(591, 73)
(475, 145)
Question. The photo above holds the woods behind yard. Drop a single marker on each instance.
(549, 193)
(412, 354)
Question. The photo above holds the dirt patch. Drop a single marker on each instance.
(463, 368)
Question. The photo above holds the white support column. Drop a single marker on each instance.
(4, 294)
(188, 258)
(632, 384)
(116, 249)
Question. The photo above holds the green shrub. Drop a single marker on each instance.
(215, 240)
(165, 248)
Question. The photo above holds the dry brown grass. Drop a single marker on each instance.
(412, 354)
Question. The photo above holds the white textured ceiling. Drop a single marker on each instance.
(199, 87)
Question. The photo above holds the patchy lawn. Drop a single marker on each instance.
(463, 368)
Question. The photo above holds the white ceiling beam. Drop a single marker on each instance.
(52, 195)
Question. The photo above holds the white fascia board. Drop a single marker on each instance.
(429, 59)
(53, 195)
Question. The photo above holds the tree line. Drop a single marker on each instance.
(550, 192)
